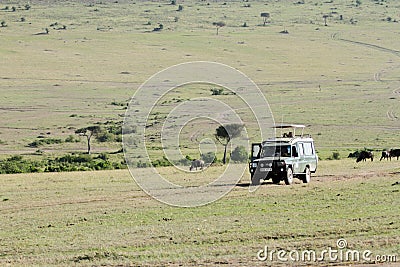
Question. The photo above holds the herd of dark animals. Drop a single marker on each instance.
(388, 155)
(363, 156)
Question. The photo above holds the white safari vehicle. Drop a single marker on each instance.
(285, 157)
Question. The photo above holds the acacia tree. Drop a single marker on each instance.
(265, 17)
(89, 132)
(224, 134)
(219, 24)
(325, 17)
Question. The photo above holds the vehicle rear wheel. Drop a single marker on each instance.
(289, 176)
(307, 176)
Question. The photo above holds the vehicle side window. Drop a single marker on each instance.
(294, 152)
(300, 145)
(308, 149)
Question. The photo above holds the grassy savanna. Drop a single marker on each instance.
(341, 79)
(103, 218)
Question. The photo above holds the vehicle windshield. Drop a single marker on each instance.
(276, 151)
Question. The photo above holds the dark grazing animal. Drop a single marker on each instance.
(395, 153)
(197, 163)
(364, 155)
(385, 155)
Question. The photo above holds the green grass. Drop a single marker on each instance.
(95, 218)
(107, 51)
(341, 79)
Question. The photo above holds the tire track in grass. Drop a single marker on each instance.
(373, 46)
(390, 114)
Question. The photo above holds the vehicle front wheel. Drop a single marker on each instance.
(307, 176)
(289, 176)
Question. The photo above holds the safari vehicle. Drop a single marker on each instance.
(284, 157)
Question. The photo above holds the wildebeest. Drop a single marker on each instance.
(385, 155)
(395, 153)
(197, 163)
(364, 155)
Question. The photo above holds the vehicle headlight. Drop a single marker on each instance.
(254, 164)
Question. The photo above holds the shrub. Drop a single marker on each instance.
(164, 162)
(141, 164)
(334, 156)
(105, 137)
(209, 157)
(115, 129)
(239, 154)
(118, 138)
(121, 104)
(183, 162)
(103, 156)
(16, 164)
(81, 162)
(47, 141)
(217, 91)
(80, 158)
(71, 139)
(159, 28)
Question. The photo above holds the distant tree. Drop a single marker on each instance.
(265, 17)
(325, 17)
(224, 134)
(13, 9)
(180, 8)
(27, 7)
(89, 132)
(3, 24)
(219, 24)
